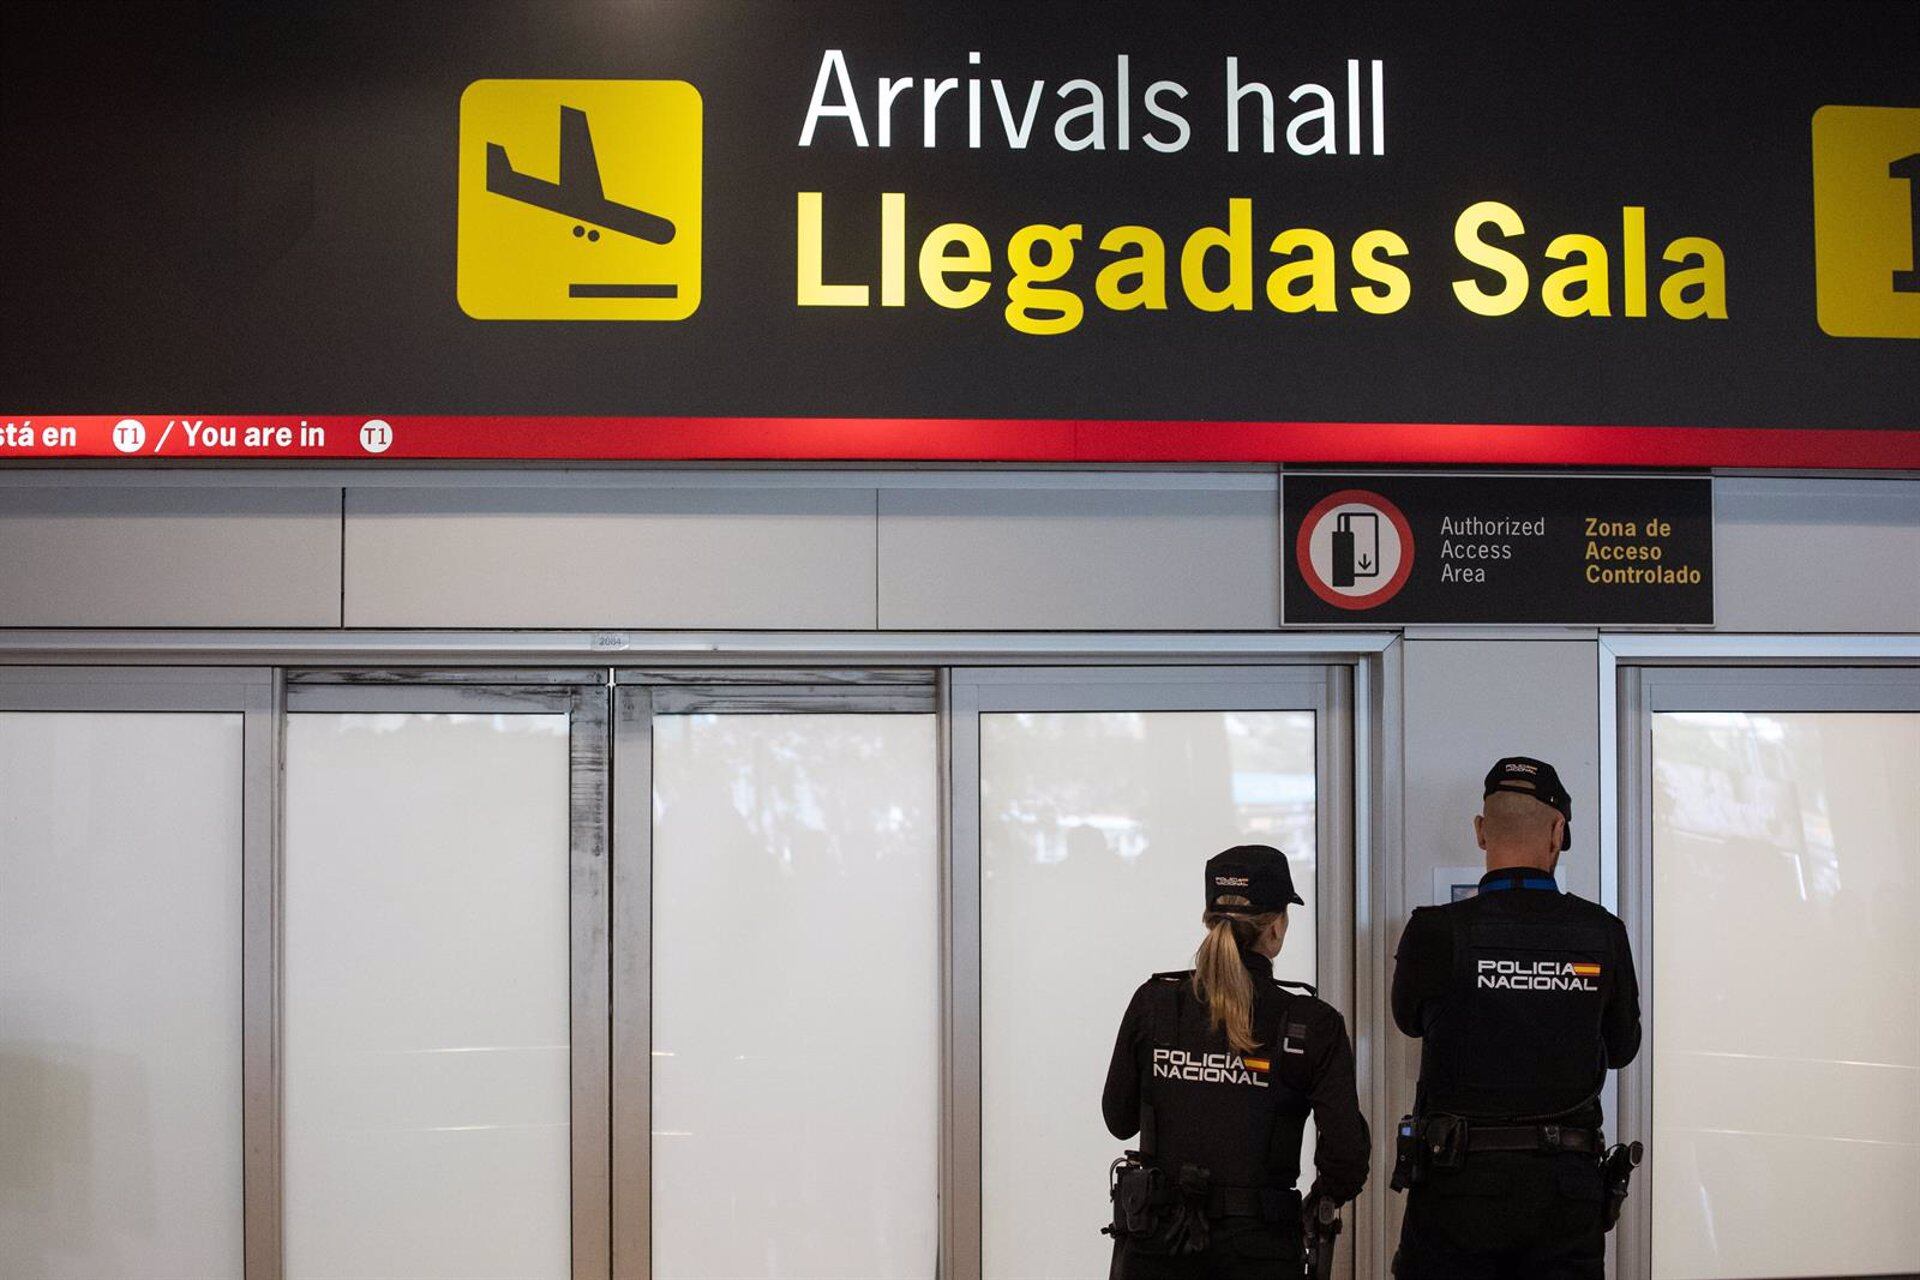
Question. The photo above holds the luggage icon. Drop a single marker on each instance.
(1356, 546)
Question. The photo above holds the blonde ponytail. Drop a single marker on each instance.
(1219, 977)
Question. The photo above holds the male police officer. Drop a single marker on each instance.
(1524, 996)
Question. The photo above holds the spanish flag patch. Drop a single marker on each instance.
(1586, 970)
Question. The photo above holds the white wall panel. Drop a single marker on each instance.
(1470, 702)
(1816, 555)
(172, 556)
(569, 556)
(120, 1002)
(1179, 555)
(1015, 550)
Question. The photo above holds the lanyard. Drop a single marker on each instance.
(1519, 882)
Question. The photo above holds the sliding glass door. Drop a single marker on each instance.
(588, 973)
(444, 980)
(1773, 872)
(1086, 803)
(778, 918)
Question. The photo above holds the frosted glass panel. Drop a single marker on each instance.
(1094, 829)
(120, 1095)
(1786, 1057)
(426, 990)
(796, 985)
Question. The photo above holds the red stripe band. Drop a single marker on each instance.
(587, 439)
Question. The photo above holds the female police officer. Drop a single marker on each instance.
(1217, 1068)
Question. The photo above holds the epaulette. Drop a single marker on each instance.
(1307, 987)
(1173, 975)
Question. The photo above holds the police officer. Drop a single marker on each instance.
(1523, 996)
(1217, 1068)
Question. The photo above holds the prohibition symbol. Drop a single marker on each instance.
(1355, 549)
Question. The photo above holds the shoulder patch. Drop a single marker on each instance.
(1293, 1038)
(1306, 988)
(1172, 975)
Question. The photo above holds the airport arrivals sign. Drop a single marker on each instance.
(828, 229)
(1371, 549)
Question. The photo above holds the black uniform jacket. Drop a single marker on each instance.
(1524, 996)
(1240, 1116)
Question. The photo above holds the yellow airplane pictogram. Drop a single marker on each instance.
(614, 234)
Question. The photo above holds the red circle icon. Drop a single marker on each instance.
(1355, 549)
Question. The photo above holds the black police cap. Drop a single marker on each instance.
(1536, 778)
(1257, 873)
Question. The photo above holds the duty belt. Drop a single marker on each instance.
(1272, 1204)
(1534, 1137)
(1445, 1142)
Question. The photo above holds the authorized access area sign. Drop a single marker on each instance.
(1370, 549)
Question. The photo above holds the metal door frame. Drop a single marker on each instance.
(1326, 690)
(639, 695)
(1772, 680)
(582, 695)
(255, 694)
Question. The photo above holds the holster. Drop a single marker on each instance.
(1156, 1210)
(1322, 1231)
(1444, 1139)
(1617, 1167)
(1422, 1143)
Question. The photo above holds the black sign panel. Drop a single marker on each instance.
(1392, 549)
(1302, 212)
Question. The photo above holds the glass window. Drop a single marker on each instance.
(796, 983)
(1786, 967)
(1094, 828)
(120, 1005)
(426, 996)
